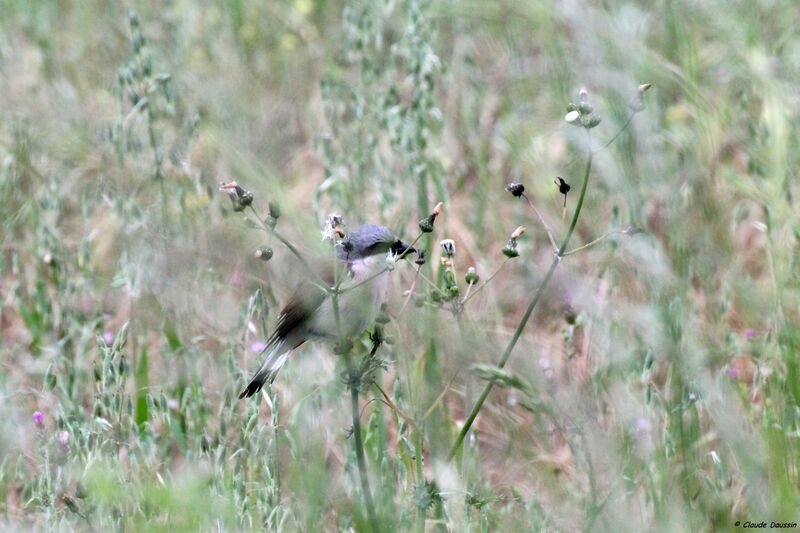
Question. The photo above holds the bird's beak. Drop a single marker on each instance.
(399, 248)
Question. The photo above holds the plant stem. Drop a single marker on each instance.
(362, 463)
(321, 282)
(541, 219)
(531, 306)
(420, 476)
(614, 138)
(468, 296)
(506, 354)
(358, 444)
(579, 206)
(597, 240)
(275, 408)
(410, 293)
(360, 283)
(428, 280)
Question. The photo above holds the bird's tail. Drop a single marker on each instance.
(275, 359)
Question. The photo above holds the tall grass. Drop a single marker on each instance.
(654, 386)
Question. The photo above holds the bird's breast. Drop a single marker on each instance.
(358, 304)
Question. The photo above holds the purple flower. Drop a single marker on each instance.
(733, 372)
(86, 304)
(108, 337)
(38, 419)
(63, 438)
(236, 280)
(642, 424)
(258, 346)
(749, 334)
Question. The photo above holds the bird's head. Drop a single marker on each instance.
(370, 240)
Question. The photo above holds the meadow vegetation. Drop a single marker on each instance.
(624, 356)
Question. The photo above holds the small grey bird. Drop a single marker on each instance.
(309, 314)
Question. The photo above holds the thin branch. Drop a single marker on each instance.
(410, 293)
(541, 219)
(428, 280)
(420, 476)
(597, 240)
(392, 405)
(323, 284)
(362, 282)
(410, 246)
(468, 296)
(371, 400)
(441, 396)
(614, 138)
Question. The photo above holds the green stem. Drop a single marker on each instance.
(406, 251)
(468, 393)
(420, 475)
(541, 219)
(276, 443)
(531, 306)
(597, 240)
(485, 283)
(360, 283)
(579, 206)
(614, 138)
(362, 462)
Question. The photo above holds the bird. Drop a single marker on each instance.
(362, 256)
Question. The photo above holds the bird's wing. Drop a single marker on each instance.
(305, 300)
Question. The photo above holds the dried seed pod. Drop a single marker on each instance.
(264, 253)
(515, 188)
(426, 224)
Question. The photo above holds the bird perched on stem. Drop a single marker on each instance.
(340, 311)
